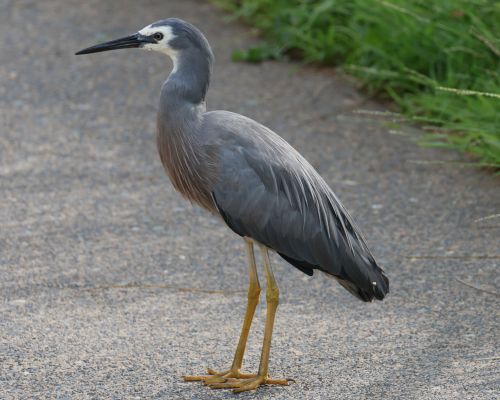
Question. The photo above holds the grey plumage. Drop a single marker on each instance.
(261, 186)
(241, 170)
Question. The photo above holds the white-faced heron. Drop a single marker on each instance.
(259, 185)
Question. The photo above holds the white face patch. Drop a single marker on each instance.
(162, 45)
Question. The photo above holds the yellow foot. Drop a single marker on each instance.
(218, 377)
(242, 385)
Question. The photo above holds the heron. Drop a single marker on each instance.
(257, 183)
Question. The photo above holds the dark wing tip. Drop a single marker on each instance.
(382, 287)
(377, 291)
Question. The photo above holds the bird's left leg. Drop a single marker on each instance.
(253, 301)
(262, 377)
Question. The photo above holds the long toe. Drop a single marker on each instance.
(250, 384)
(230, 384)
(214, 379)
(218, 377)
(194, 378)
(243, 385)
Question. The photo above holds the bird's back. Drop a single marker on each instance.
(266, 190)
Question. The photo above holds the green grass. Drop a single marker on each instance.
(439, 60)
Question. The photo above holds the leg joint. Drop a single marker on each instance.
(273, 295)
(254, 290)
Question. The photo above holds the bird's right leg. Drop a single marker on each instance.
(253, 300)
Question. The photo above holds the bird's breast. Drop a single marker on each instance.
(188, 168)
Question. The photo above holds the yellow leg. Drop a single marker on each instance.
(273, 298)
(253, 300)
(262, 378)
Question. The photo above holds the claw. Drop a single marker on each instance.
(282, 382)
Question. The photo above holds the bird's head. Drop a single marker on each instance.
(170, 36)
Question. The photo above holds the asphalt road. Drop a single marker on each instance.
(112, 286)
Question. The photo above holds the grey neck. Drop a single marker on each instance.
(190, 78)
(182, 99)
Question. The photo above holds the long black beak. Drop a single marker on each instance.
(128, 42)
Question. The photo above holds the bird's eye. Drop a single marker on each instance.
(158, 36)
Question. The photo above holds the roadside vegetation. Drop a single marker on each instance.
(438, 60)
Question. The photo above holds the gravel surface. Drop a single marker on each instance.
(113, 287)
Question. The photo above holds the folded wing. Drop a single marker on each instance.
(267, 191)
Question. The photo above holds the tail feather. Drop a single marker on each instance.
(377, 289)
(374, 285)
(353, 289)
(364, 278)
